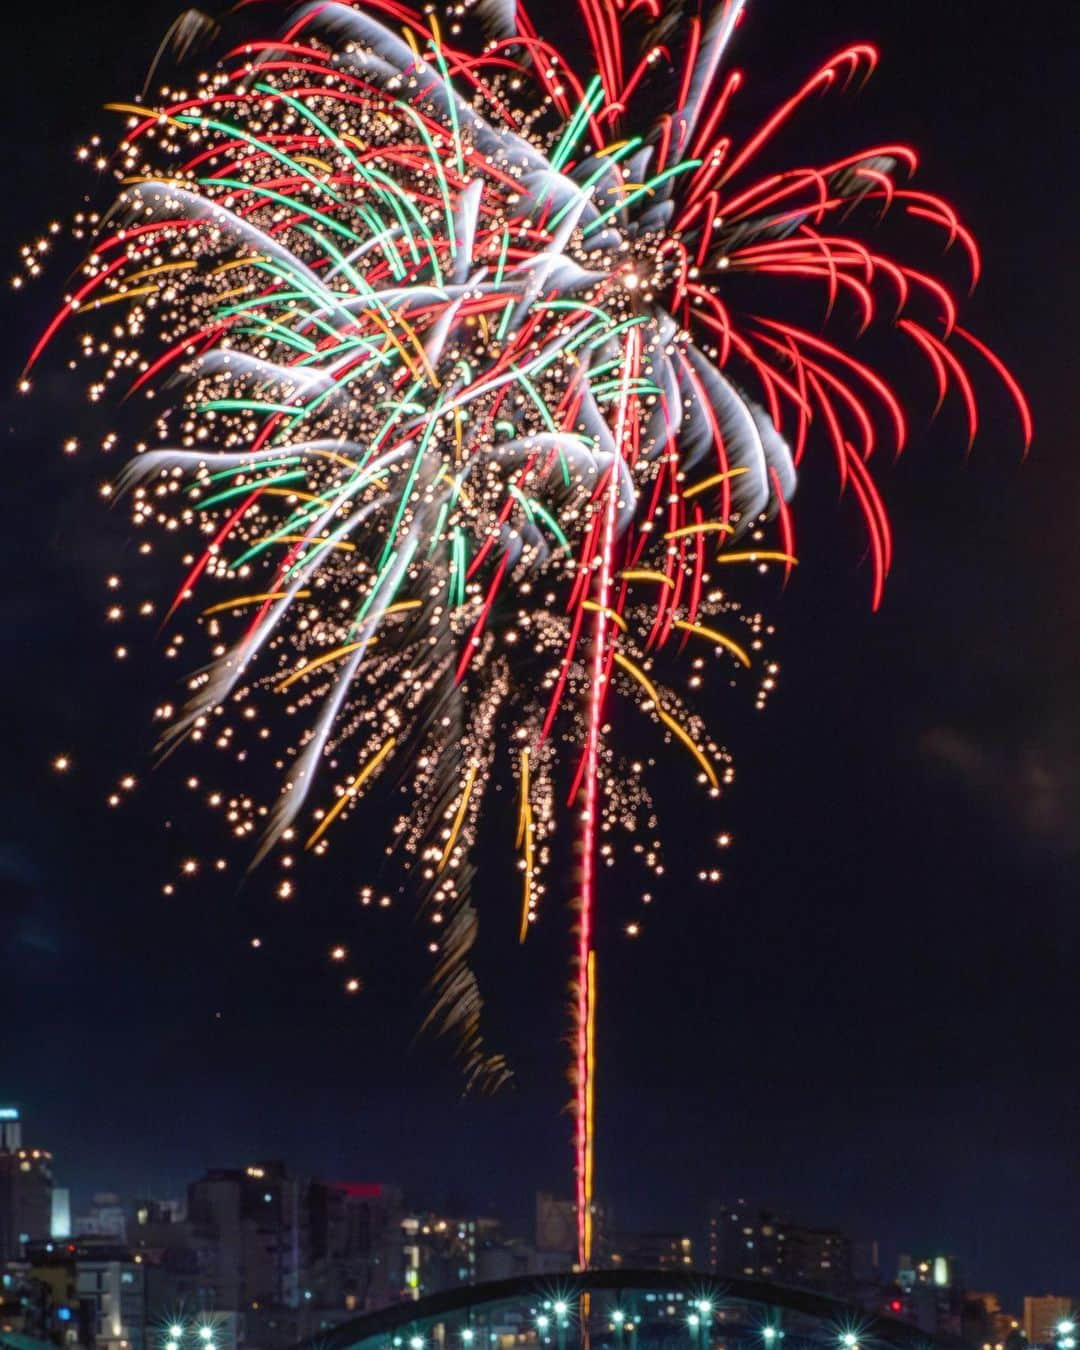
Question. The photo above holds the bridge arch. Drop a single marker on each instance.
(627, 1310)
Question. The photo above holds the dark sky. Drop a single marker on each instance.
(872, 1023)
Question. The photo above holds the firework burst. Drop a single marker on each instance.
(456, 391)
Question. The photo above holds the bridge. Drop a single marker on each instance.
(674, 1309)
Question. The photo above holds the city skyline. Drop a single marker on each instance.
(346, 1246)
(723, 1233)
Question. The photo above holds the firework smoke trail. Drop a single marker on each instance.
(473, 376)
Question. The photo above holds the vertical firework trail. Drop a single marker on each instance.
(600, 674)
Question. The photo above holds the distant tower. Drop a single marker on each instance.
(10, 1129)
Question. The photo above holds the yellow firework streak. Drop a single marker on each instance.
(647, 574)
(161, 267)
(524, 836)
(590, 1080)
(234, 291)
(615, 618)
(121, 295)
(459, 818)
(343, 544)
(242, 600)
(315, 163)
(293, 492)
(350, 792)
(707, 527)
(756, 555)
(712, 482)
(668, 721)
(239, 262)
(145, 114)
(721, 639)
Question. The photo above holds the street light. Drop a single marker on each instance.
(416, 1343)
(467, 1335)
(849, 1341)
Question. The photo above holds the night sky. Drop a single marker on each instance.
(871, 1023)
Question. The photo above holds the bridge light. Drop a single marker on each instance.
(849, 1341)
(693, 1319)
(618, 1317)
(704, 1307)
(542, 1322)
(467, 1335)
(176, 1331)
(1066, 1328)
(560, 1309)
(416, 1343)
(768, 1334)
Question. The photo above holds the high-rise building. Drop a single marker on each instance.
(440, 1252)
(25, 1195)
(252, 1221)
(814, 1258)
(556, 1229)
(355, 1244)
(931, 1293)
(742, 1241)
(556, 1236)
(1041, 1316)
(757, 1244)
(112, 1299)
